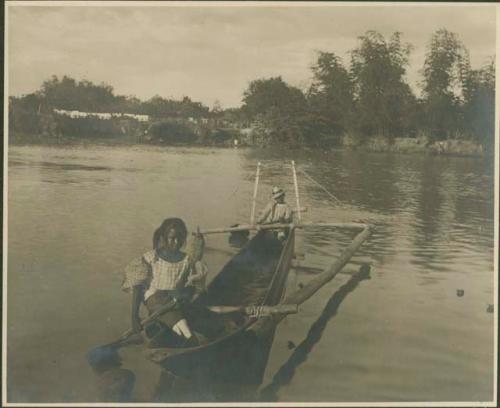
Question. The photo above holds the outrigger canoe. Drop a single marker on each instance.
(235, 319)
(236, 345)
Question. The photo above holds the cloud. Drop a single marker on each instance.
(211, 52)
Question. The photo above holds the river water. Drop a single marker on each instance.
(77, 215)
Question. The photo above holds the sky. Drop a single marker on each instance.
(212, 51)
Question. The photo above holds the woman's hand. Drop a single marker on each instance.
(200, 274)
(193, 278)
(136, 302)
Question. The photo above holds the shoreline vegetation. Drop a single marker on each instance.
(365, 105)
(398, 145)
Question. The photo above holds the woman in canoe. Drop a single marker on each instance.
(163, 275)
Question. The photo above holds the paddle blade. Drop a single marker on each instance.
(103, 358)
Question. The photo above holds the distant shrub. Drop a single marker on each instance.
(223, 136)
(171, 133)
(93, 127)
(24, 121)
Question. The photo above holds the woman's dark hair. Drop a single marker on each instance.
(169, 223)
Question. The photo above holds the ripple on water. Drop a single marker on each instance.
(76, 215)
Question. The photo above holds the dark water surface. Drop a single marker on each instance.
(76, 216)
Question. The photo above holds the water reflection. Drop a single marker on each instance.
(300, 354)
(443, 221)
(58, 166)
(77, 215)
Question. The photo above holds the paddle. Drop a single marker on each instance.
(101, 355)
(108, 353)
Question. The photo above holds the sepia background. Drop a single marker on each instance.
(400, 131)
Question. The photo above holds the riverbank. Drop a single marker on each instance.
(401, 145)
(24, 139)
(449, 147)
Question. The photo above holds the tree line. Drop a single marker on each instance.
(68, 94)
(370, 97)
(33, 114)
(367, 99)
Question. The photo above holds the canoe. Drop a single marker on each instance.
(235, 335)
(230, 351)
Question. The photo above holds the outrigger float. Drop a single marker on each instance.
(238, 313)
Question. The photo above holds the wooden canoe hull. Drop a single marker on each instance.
(239, 355)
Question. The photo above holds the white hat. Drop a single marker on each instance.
(277, 192)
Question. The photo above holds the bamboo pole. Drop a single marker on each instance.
(256, 310)
(254, 199)
(316, 283)
(296, 186)
(262, 326)
(250, 227)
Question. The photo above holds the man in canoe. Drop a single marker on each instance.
(163, 275)
(276, 211)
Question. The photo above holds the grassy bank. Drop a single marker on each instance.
(52, 130)
(24, 139)
(418, 145)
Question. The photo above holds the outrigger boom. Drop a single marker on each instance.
(264, 325)
(259, 227)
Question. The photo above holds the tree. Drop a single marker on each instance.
(383, 99)
(479, 104)
(128, 104)
(275, 108)
(85, 96)
(167, 108)
(274, 94)
(189, 108)
(24, 113)
(156, 107)
(217, 108)
(330, 96)
(445, 68)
